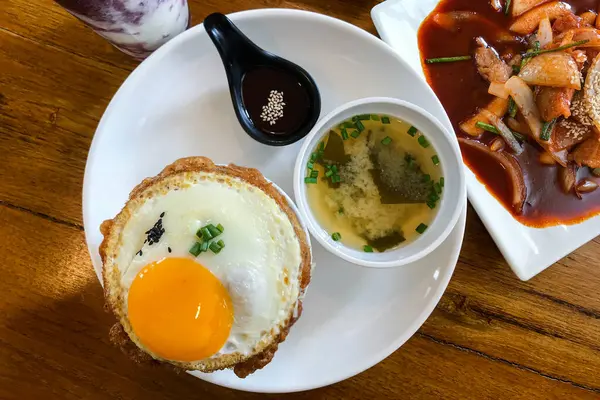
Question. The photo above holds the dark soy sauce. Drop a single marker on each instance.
(289, 100)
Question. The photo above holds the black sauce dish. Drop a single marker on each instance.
(276, 101)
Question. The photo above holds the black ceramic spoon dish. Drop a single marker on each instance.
(276, 101)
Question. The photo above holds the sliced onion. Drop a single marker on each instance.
(557, 69)
(497, 89)
(496, 5)
(566, 177)
(523, 97)
(506, 134)
(497, 106)
(522, 6)
(578, 34)
(544, 35)
(586, 186)
(527, 22)
(512, 168)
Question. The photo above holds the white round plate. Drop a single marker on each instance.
(176, 104)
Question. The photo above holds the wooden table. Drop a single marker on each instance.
(491, 336)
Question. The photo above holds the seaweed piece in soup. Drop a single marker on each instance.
(334, 152)
(399, 179)
(387, 242)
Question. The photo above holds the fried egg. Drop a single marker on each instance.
(213, 310)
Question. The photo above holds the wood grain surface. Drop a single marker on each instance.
(491, 337)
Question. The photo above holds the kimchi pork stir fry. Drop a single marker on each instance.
(542, 73)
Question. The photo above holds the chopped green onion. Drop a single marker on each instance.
(547, 130)
(421, 228)
(341, 210)
(355, 134)
(310, 180)
(336, 236)
(431, 204)
(512, 107)
(213, 230)
(516, 69)
(334, 168)
(375, 117)
(321, 146)
(364, 117)
(423, 142)
(359, 125)
(206, 235)
(436, 160)
(506, 7)
(446, 59)
(348, 124)
(215, 248)
(314, 174)
(386, 140)
(437, 187)
(344, 134)
(336, 179)
(566, 46)
(313, 157)
(199, 233)
(536, 45)
(385, 120)
(195, 250)
(367, 248)
(310, 165)
(328, 173)
(204, 247)
(442, 181)
(221, 243)
(487, 127)
(426, 178)
(412, 131)
(221, 228)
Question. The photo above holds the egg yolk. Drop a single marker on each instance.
(179, 310)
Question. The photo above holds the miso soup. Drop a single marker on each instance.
(374, 183)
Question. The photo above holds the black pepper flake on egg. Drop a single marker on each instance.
(169, 249)
(139, 253)
(155, 233)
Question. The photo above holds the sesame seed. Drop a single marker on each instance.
(273, 110)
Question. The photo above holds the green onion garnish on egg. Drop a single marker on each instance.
(206, 235)
(204, 246)
(213, 230)
(221, 228)
(221, 243)
(215, 248)
(195, 250)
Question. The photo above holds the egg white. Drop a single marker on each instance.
(258, 266)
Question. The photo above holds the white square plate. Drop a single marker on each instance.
(527, 250)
